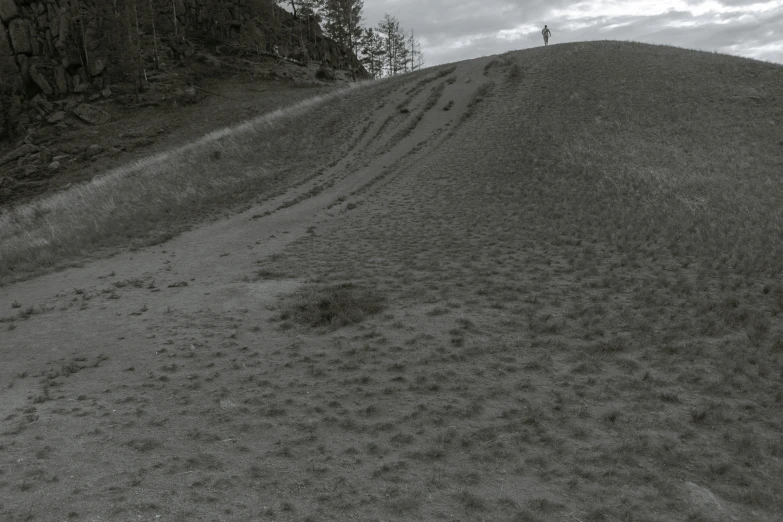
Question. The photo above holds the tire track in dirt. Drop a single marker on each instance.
(430, 126)
(374, 142)
(158, 318)
(394, 116)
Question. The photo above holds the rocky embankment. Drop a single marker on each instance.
(62, 61)
(55, 47)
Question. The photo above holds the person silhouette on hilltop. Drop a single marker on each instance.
(547, 33)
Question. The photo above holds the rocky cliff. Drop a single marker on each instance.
(50, 49)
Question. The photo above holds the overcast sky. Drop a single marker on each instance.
(453, 30)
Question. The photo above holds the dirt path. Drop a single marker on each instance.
(113, 321)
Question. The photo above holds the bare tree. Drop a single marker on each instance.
(388, 28)
(176, 29)
(419, 56)
(141, 69)
(86, 59)
(154, 37)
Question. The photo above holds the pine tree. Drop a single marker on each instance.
(311, 11)
(402, 52)
(372, 50)
(302, 7)
(292, 2)
(343, 22)
(388, 28)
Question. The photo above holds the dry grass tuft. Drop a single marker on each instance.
(333, 306)
(514, 72)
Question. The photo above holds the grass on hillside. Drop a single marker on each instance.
(586, 314)
(677, 148)
(152, 200)
(552, 336)
(156, 194)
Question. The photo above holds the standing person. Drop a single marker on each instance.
(547, 33)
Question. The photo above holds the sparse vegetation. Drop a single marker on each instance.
(514, 306)
(333, 306)
(479, 94)
(514, 72)
(117, 208)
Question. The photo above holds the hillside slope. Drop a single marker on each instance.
(575, 251)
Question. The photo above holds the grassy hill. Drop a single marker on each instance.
(538, 286)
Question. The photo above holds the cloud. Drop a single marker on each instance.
(453, 30)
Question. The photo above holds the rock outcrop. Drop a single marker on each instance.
(53, 48)
(91, 114)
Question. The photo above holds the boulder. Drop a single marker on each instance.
(60, 79)
(30, 170)
(70, 57)
(17, 84)
(97, 64)
(24, 67)
(91, 41)
(19, 127)
(8, 10)
(93, 150)
(54, 165)
(20, 152)
(43, 105)
(704, 504)
(94, 97)
(7, 62)
(81, 88)
(49, 43)
(106, 92)
(16, 172)
(42, 133)
(36, 75)
(16, 107)
(92, 114)
(36, 44)
(62, 29)
(20, 36)
(57, 116)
